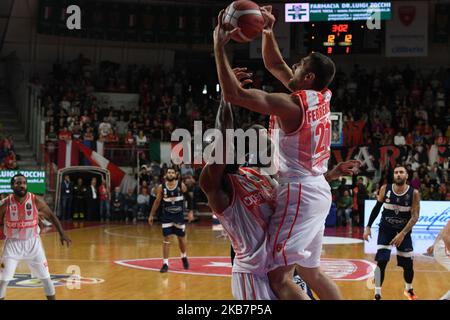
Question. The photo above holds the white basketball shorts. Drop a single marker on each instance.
(249, 286)
(297, 226)
(29, 251)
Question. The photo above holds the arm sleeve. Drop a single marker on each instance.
(374, 213)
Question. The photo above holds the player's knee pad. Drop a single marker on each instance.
(49, 287)
(405, 262)
(383, 255)
(3, 286)
(166, 242)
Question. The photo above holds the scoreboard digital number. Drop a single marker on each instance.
(339, 39)
(343, 38)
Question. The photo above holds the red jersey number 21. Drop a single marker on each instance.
(323, 130)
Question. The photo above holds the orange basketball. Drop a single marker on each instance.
(247, 16)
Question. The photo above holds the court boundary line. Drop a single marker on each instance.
(115, 234)
(122, 263)
(68, 230)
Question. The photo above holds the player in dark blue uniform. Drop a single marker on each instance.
(172, 195)
(400, 213)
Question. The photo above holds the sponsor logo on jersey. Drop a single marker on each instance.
(173, 209)
(337, 269)
(396, 221)
(28, 206)
(253, 199)
(26, 281)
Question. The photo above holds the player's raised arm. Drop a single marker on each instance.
(212, 177)
(47, 213)
(279, 104)
(273, 60)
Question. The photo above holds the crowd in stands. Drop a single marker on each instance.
(405, 107)
(8, 156)
(167, 100)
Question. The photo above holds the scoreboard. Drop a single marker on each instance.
(341, 27)
(339, 39)
(343, 37)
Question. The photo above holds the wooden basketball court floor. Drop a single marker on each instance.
(100, 250)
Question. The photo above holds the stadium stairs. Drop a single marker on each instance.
(10, 125)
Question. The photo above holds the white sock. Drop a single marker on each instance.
(378, 290)
(183, 255)
(166, 261)
(3, 286)
(408, 286)
(49, 287)
(446, 296)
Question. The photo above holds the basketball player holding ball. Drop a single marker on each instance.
(304, 196)
(228, 189)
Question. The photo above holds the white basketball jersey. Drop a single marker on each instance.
(305, 152)
(246, 220)
(21, 219)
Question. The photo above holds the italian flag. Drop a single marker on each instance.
(161, 151)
